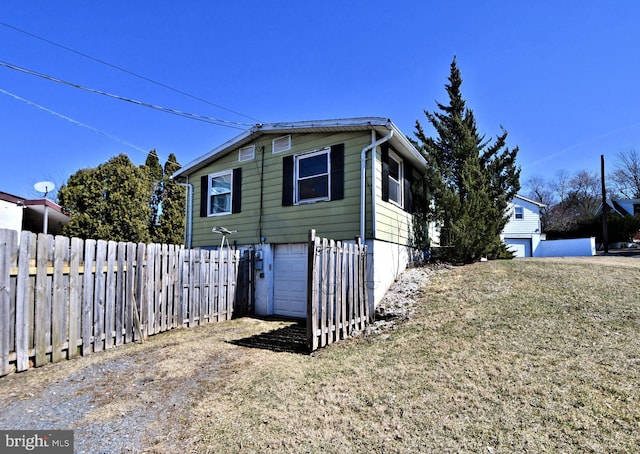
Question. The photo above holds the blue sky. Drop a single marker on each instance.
(561, 77)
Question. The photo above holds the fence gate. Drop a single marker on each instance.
(337, 305)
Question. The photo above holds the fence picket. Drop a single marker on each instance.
(139, 301)
(8, 246)
(87, 299)
(110, 295)
(42, 309)
(228, 285)
(120, 292)
(58, 305)
(75, 289)
(27, 241)
(99, 301)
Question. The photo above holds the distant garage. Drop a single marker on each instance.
(521, 247)
(290, 280)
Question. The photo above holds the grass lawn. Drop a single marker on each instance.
(535, 355)
(507, 356)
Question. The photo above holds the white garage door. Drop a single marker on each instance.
(290, 280)
(521, 247)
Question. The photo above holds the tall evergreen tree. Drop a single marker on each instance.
(170, 228)
(470, 180)
(154, 171)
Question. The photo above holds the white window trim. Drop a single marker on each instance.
(515, 213)
(296, 196)
(209, 207)
(400, 183)
(252, 153)
(273, 144)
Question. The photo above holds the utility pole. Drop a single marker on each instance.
(605, 209)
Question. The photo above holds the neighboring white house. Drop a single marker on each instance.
(523, 232)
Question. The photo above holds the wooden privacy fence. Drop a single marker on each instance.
(62, 297)
(337, 297)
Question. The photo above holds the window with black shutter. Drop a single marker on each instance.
(314, 176)
(221, 193)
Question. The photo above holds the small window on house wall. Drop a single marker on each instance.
(281, 144)
(220, 194)
(247, 153)
(395, 179)
(312, 179)
(518, 212)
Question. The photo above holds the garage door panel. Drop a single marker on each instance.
(521, 247)
(290, 280)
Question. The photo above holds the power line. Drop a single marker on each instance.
(216, 121)
(131, 73)
(76, 122)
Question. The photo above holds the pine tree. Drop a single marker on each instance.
(469, 179)
(154, 171)
(170, 228)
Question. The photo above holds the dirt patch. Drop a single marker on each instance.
(131, 398)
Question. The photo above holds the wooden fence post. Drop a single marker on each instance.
(312, 292)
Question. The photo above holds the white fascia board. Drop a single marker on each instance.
(518, 196)
(402, 141)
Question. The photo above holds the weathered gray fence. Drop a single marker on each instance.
(62, 297)
(337, 302)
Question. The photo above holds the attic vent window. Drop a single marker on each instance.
(281, 144)
(247, 153)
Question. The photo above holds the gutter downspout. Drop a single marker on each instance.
(188, 210)
(363, 179)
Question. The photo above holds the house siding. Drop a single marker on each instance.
(393, 223)
(339, 219)
(530, 223)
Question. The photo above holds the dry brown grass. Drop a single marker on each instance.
(520, 356)
(509, 356)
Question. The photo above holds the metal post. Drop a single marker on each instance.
(605, 209)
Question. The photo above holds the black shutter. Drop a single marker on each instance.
(384, 156)
(287, 181)
(407, 186)
(337, 172)
(236, 201)
(204, 195)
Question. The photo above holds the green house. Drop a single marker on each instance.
(345, 178)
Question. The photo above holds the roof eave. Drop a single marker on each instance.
(344, 124)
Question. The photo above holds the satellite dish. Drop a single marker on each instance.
(44, 186)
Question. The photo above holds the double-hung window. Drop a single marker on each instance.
(518, 212)
(396, 176)
(220, 193)
(312, 178)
